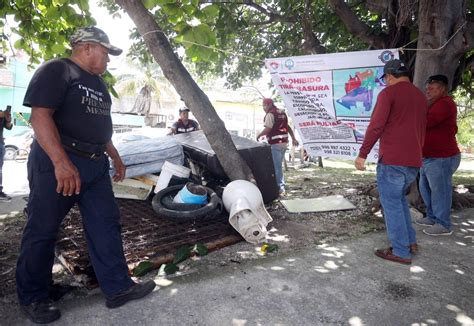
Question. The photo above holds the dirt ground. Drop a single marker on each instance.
(289, 231)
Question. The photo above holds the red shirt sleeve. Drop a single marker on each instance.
(377, 123)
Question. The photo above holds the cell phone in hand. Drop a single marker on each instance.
(9, 108)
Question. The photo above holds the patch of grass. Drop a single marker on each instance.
(463, 178)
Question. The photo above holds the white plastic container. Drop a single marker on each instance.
(247, 214)
(167, 171)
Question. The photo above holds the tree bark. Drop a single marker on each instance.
(213, 127)
(311, 45)
(438, 21)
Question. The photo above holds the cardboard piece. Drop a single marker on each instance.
(321, 204)
(132, 189)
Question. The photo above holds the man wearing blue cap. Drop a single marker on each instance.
(68, 165)
(399, 122)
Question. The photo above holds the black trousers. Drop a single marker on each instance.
(46, 211)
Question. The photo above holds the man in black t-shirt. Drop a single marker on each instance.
(70, 114)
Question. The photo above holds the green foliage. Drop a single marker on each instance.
(220, 38)
(43, 26)
(231, 40)
(465, 135)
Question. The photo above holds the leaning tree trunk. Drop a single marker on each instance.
(438, 21)
(212, 126)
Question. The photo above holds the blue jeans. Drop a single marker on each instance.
(278, 154)
(47, 209)
(393, 182)
(436, 187)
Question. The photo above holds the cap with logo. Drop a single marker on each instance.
(394, 67)
(96, 35)
(183, 109)
(442, 79)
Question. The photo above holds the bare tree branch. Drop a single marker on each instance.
(468, 32)
(311, 45)
(272, 14)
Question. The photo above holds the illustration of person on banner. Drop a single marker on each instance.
(276, 130)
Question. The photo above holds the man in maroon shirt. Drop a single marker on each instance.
(399, 122)
(441, 157)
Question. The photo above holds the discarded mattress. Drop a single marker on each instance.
(257, 155)
(148, 155)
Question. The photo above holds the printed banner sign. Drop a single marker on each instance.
(330, 98)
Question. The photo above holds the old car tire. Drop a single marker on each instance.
(164, 207)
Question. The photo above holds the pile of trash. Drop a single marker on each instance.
(156, 166)
(189, 201)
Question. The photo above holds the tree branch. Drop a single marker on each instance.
(311, 45)
(468, 32)
(355, 26)
(194, 98)
(272, 15)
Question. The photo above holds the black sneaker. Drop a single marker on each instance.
(4, 197)
(136, 291)
(41, 312)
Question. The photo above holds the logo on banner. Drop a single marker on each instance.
(274, 65)
(289, 64)
(386, 56)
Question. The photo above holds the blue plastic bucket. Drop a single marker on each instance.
(187, 197)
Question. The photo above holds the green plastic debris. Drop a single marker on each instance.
(170, 268)
(268, 247)
(199, 249)
(182, 254)
(142, 268)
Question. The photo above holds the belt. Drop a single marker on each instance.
(82, 146)
(92, 156)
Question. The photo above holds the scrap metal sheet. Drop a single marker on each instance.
(146, 236)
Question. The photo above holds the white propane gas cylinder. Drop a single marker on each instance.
(247, 214)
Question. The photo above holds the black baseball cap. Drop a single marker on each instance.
(442, 79)
(394, 67)
(184, 109)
